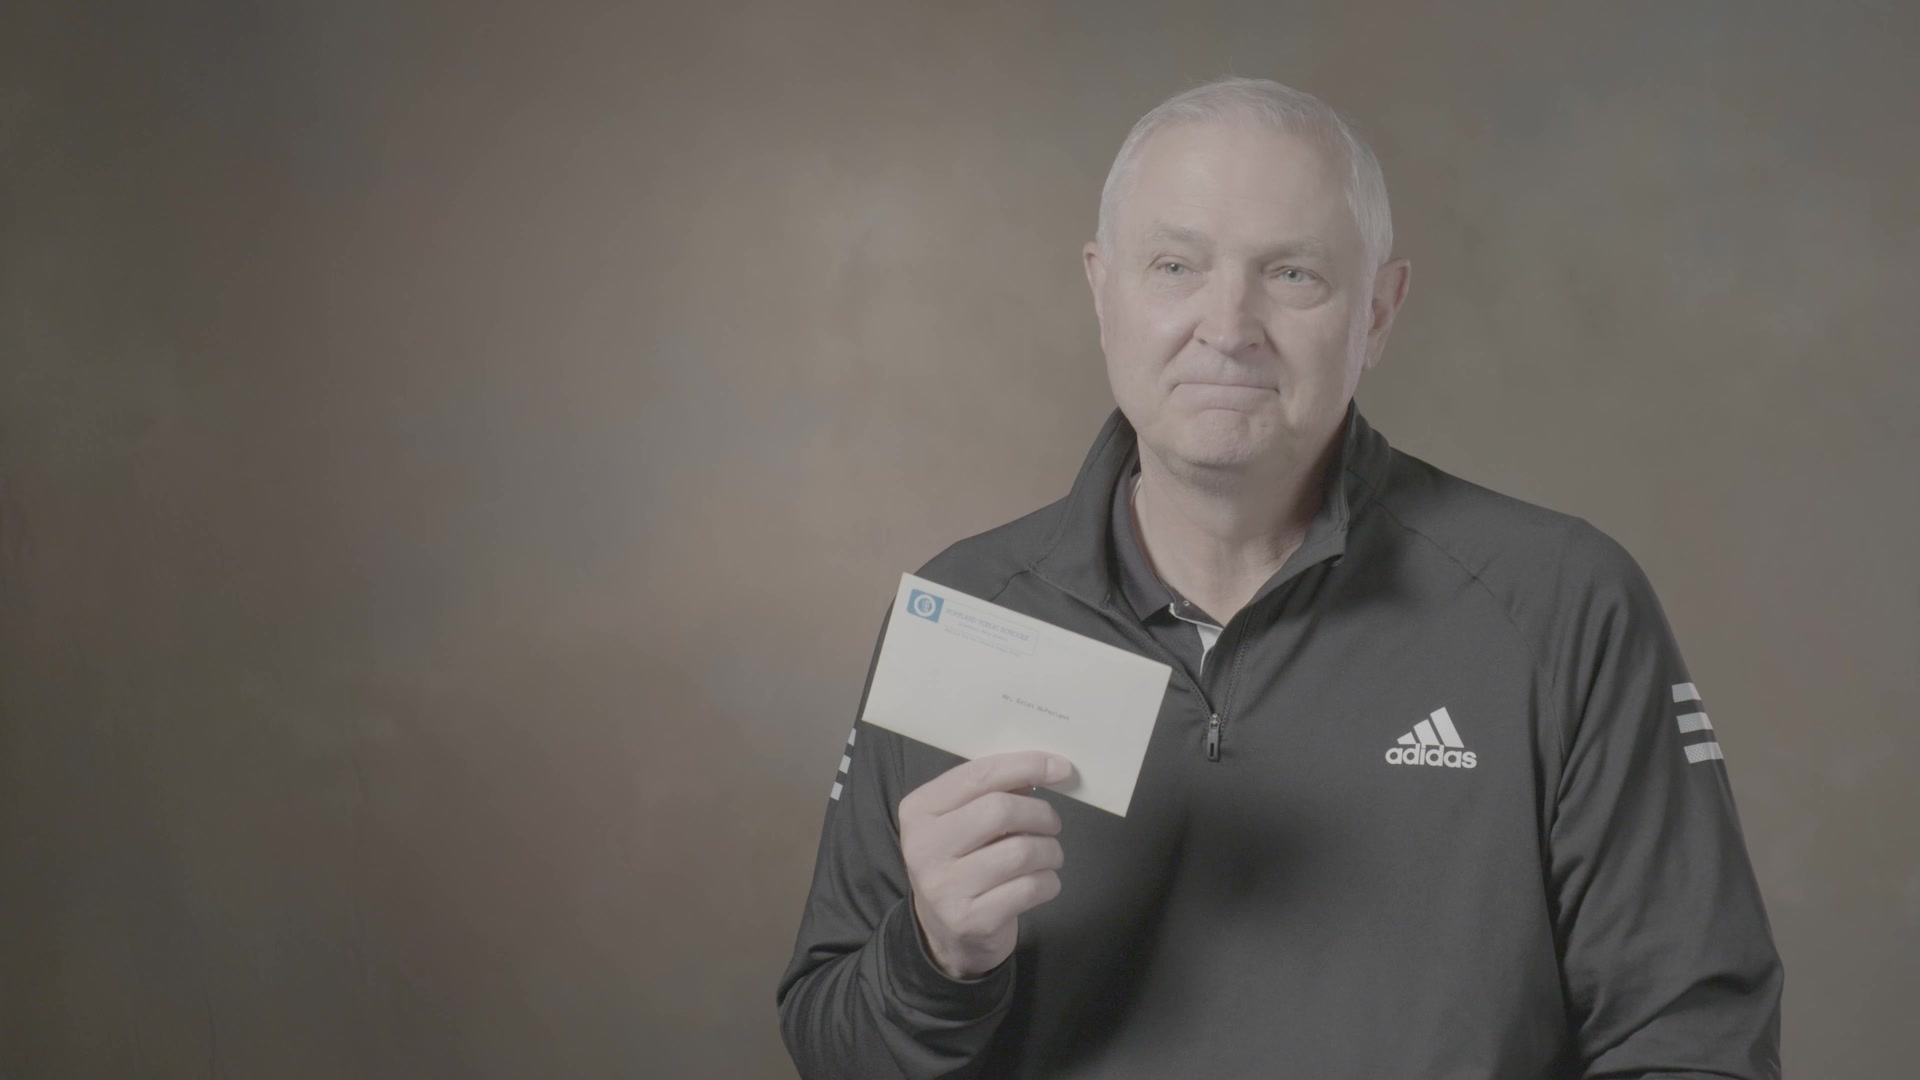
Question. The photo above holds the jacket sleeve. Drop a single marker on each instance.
(861, 997)
(1667, 956)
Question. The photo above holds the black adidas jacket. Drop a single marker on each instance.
(1295, 900)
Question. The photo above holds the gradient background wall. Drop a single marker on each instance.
(453, 462)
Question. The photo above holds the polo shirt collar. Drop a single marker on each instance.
(1080, 557)
(1144, 590)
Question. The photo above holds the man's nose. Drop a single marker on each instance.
(1230, 320)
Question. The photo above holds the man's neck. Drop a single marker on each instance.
(1218, 546)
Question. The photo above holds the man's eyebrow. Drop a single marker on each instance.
(1181, 234)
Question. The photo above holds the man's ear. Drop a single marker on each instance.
(1095, 273)
(1096, 277)
(1390, 285)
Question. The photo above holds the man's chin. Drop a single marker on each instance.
(1217, 446)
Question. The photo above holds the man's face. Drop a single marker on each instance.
(1236, 312)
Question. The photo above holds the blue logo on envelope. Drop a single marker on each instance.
(925, 605)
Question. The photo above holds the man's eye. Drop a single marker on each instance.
(1169, 265)
(1293, 275)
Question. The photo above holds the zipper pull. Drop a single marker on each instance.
(1213, 737)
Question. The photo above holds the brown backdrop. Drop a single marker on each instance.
(453, 462)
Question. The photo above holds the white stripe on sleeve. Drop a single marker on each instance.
(1704, 751)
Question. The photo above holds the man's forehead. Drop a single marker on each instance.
(1160, 231)
(1232, 151)
(1236, 183)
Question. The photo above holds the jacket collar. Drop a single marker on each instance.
(1078, 557)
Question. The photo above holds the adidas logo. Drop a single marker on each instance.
(1433, 741)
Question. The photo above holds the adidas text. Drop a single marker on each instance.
(1431, 755)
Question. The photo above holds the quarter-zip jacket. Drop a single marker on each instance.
(1311, 881)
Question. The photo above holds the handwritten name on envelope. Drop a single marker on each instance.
(974, 678)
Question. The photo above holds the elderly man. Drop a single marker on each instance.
(1431, 792)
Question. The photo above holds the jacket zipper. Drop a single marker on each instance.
(1213, 717)
(1140, 635)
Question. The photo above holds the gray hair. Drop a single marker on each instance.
(1280, 108)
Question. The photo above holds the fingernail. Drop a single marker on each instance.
(1058, 769)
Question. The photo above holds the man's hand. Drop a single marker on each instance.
(978, 855)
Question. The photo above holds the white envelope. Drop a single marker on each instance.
(975, 678)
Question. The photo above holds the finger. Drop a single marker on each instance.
(988, 818)
(1003, 860)
(1012, 898)
(969, 780)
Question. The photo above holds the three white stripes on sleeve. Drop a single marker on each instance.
(1690, 722)
(846, 760)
